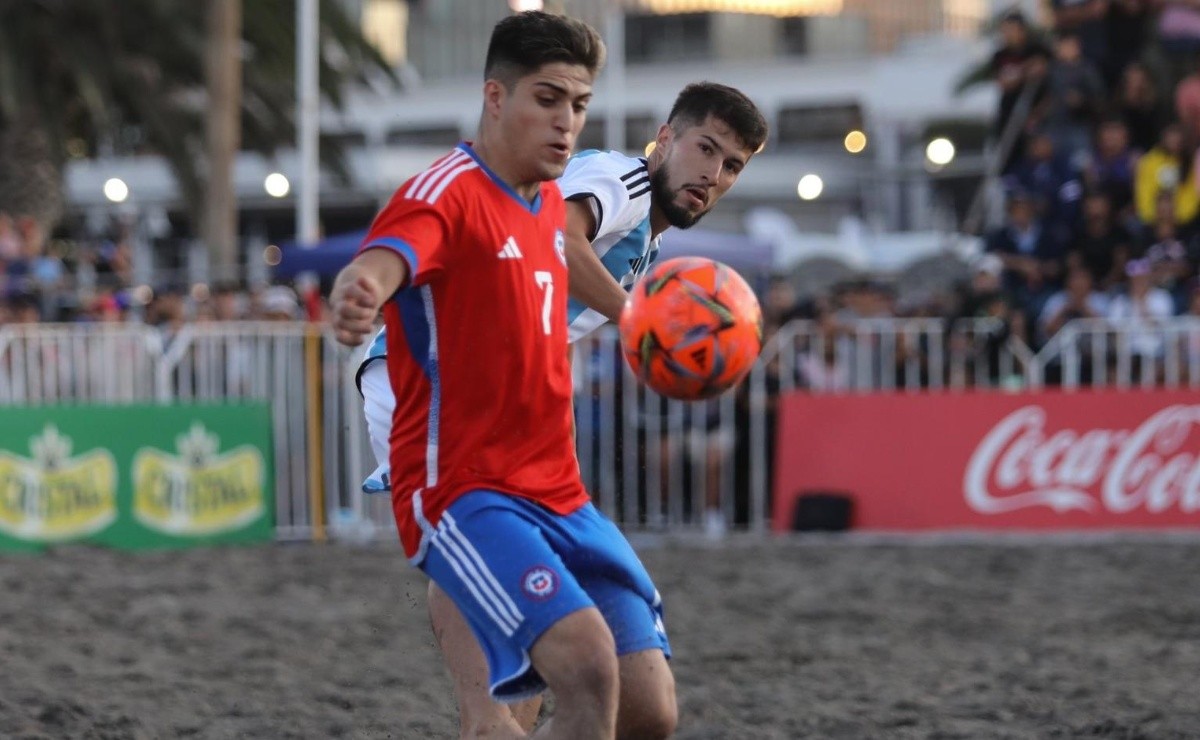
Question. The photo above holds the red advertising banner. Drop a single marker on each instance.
(1103, 459)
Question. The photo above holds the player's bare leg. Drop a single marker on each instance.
(714, 459)
(479, 715)
(647, 709)
(577, 658)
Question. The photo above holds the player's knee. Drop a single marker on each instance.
(587, 666)
(659, 722)
(596, 669)
(655, 715)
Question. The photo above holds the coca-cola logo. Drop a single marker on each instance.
(1154, 467)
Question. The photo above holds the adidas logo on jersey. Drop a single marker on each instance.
(510, 250)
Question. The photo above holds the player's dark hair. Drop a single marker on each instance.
(524, 42)
(699, 100)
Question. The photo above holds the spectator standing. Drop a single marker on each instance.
(1018, 61)
(1075, 94)
(983, 342)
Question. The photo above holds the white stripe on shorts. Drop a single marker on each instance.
(474, 583)
(450, 526)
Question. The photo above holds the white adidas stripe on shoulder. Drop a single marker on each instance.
(443, 181)
(439, 167)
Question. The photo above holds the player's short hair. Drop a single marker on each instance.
(699, 100)
(522, 43)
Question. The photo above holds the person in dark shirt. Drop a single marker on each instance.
(1088, 19)
(1101, 246)
(1129, 26)
(1139, 102)
(1053, 183)
(984, 322)
(1032, 260)
(1015, 63)
(1112, 165)
(1074, 96)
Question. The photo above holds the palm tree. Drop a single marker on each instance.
(88, 71)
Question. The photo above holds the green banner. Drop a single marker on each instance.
(135, 477)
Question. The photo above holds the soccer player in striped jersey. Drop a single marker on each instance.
(617, 209)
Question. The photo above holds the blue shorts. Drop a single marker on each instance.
(515, 568)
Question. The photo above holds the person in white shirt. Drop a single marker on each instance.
(1140, 312)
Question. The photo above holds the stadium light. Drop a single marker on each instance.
(810, 187)
(277, 185)
(940, 151)
(519, 6)
(116, 190)
(855, 142)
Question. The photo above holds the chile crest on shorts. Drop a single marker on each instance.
(539, 583)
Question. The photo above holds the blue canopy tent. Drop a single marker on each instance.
(324, 258)
(750, 256)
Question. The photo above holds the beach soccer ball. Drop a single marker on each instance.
(691, 329)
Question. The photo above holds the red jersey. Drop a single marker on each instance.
(476, 344)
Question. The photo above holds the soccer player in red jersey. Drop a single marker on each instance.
(467, 263)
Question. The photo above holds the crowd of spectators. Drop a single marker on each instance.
(92, 280)
(1102, 204)
(1101, 214)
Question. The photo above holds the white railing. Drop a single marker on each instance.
(649, 462)
(1088, 352)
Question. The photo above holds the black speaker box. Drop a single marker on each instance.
(823, 511)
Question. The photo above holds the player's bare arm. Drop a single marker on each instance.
(360, 289)
(589, 281)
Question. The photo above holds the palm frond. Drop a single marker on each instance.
(100, 66)
(974, 76)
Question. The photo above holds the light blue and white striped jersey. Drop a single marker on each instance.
(618, 189)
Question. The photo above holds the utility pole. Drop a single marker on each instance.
(308, 124)
(223, 76)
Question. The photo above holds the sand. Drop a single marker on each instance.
(812, 638)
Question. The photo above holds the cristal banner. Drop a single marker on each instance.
(135, 476)
(1105, 459)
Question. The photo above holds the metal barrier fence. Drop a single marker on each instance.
(118, 364)
(650, 463)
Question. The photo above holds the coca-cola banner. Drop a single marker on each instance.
(1098, 459)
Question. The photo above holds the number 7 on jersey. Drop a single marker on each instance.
(546, 282)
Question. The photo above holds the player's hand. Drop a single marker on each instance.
(356, 298)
